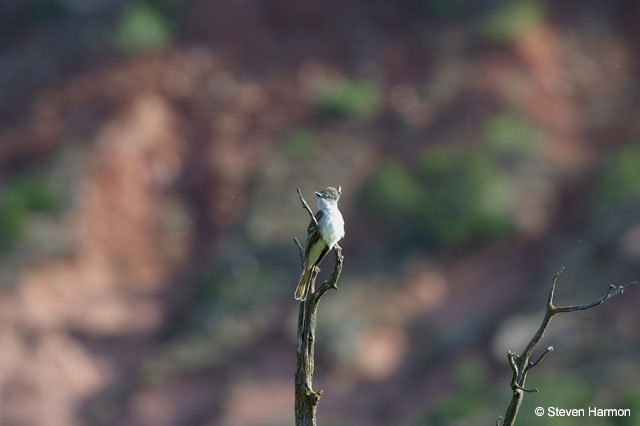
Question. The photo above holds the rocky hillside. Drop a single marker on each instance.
(149, 156)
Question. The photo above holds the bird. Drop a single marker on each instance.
(318, 244)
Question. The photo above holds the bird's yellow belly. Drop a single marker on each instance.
(315, 252)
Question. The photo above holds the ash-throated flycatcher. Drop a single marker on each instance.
(331, 226)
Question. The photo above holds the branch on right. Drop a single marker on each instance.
(521, 364)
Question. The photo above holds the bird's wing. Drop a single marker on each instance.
(313, 236)
(312, 228)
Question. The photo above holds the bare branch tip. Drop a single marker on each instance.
(530, 364)
(560, 272)
(512, 357)
(550, 306)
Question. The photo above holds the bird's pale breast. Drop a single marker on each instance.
(332, 227)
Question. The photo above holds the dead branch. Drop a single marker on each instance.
(306, 399)
(521, 364)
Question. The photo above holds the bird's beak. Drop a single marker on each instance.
(318, 194)
(339, 190)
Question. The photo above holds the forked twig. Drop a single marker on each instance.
(521, 364)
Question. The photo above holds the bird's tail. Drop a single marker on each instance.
(303, 285)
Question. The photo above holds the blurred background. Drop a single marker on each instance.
(149, 156)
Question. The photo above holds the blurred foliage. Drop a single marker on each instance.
(143, 26)
(393, 192)
(631, 400)
(447, 197)
(469, 398)
(511, 133)
(475, 397)
(466, 197)
(511, 19)
(232, 303)
(300, 142)
(619, 183)
(232, 286)
(452, 196)
(559, 389)
(347, 98)
(21, 197)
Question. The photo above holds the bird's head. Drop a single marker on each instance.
(330, 193)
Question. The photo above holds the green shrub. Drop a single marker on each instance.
(19, 198)
(511, 133)
(300, 142)
(347, 98)
(447, 197)
(469, 397)
(511, 19)
(619, 182)
(393, 194)
(466, 197)
(629, 399)
(12, 222)
(142, 27)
